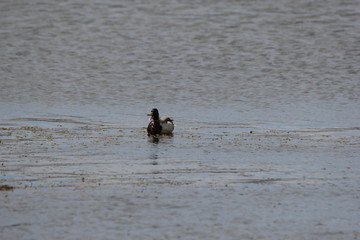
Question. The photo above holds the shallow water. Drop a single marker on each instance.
(265, 99)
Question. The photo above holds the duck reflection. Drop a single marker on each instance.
(153, 139)
(156, 144)
(160, 138)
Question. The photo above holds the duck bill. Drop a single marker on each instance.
(150, 114)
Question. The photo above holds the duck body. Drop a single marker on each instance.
(159, 125)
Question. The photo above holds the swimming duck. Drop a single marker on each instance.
(159, 125)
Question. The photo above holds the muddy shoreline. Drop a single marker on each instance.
(214, 181)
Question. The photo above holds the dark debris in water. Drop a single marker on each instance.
(6, 188)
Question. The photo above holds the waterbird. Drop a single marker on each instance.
(159, 125)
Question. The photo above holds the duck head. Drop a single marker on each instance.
(154, 114)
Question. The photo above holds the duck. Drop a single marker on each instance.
(159, 125)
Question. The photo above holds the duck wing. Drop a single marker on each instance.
(166, 119)
(167, 125)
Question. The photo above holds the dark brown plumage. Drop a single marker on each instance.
(154, 127)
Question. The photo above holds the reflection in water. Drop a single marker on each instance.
(155, 144)
(156, 138)
(153, 139)
(154, 153)
(154, 156)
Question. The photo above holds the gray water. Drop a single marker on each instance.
(292, 61)
(265, 97)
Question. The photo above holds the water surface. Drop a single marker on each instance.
(265, 97)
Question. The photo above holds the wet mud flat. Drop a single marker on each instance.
(67, 179)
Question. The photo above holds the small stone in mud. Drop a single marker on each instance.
(6, 188)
